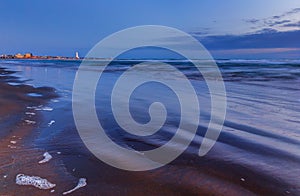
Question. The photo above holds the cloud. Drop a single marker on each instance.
(266, 38)
(252, 21)
(266, 30)
(274, 23)
(203, 31)
(265, 53)
(276, 17)
(293, 11)
(256, 51)
(296, 24)
(279, 22)
(276, 36)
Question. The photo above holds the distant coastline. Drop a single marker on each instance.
(31, 56)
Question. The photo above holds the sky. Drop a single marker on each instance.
(228, 29)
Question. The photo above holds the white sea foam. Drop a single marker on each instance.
(47, 157)
(30, 113)
(44, 109)
(12, 147)
(51, 123)
(31, 107)
(34, 95)
(82, 183)
(47, 109)
(35, 181)
(30, 122)
(40, 108)
(13, 142)
(13, 83)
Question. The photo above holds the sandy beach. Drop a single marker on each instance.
(18, 125)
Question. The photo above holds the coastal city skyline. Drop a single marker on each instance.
(29, 55)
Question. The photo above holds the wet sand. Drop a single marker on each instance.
(18, 154)
(187, 175)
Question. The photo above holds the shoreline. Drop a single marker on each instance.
(19, 125)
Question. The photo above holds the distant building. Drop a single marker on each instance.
(76, 55)
(19, 56)
(28, 55)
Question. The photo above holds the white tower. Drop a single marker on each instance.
(76, 55)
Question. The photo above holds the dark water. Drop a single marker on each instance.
(258, 149)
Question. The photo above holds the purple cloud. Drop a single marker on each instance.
(296, 24)
(266, 38)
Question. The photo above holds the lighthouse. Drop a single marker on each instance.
(76, 55)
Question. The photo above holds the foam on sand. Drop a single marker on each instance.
(82, 183)
(30, 122)
(35, 95)
(35, 181)
(51, 123)
(30, 113)
(13, 83)
(40, 108)
(12, 147)
(47, 157)
(32, 107)
(44, 109)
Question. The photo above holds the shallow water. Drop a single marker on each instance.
(258, 149)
